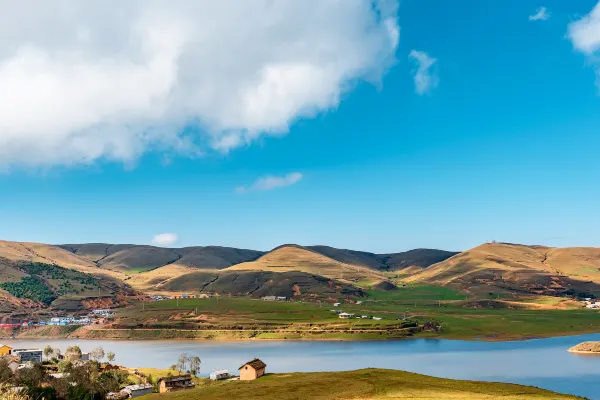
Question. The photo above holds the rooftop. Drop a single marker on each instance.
(256, 364)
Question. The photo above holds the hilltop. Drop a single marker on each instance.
(515, 268)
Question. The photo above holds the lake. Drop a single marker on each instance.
(542, 362)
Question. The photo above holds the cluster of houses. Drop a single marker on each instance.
(20, 358)
(251, 370)
(344, 315)
(274, 298)
(63, 320)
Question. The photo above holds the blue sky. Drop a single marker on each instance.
(504, 147)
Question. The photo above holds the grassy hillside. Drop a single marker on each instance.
(518, 269)
(138, 258)
(418, 258)
(295, 258)
(375, 384)
(261, 283)
(46, 284)
(44, 253)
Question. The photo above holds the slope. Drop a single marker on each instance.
(416, 259)
(517, 268)
(260, 283)
(129, 258)
(374, 384)
(38, 285)
(296, 258)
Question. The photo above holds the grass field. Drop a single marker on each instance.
(374, 384)
(247, 318)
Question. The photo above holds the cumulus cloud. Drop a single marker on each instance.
(165, 239)
(425, 76)
(541, 14)
(82, 81)
(271, 182)
(585, 32)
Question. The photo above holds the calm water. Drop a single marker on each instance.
(544, 363)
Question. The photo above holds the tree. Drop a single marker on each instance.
(110, 356)
(33, 376)
(195, 365)
(97, 354)
(6, 374)
(48, 352)
(182, 362)
(73, 353)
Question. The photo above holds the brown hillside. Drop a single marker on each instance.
(419, 258)
(296, 258)
(138, 258)
(45, 253)
(261, 283)
(516, 268)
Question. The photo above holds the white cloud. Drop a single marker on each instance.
(271, 182)
(425, 76)
(541, 14)
(82, 81)
(585, 32)
(165, 239)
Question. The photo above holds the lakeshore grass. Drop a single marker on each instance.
(374, 384)
(248, 318)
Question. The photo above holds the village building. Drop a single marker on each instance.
(175, 383)
(5, 350)
(345, 315)
(220, 374)
(132, 391)
(28, 355)
(252, 370)
(269, 298)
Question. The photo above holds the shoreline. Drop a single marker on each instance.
(254, 336)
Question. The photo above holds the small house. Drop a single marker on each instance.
(336, 304)
(137, 390)
(220, 374)
(269, 298)
(252, 370)
(282, 298)
(175, 383)
(345, 315)
(5, 350)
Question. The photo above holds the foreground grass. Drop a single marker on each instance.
(375, 384)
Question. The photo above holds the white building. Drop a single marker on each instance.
(345, 315)
(137, 390)
(28, 355)
(220, 374)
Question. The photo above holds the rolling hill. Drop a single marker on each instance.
(297, 258)
(414, 259)
(140, 258)
(37, 285)
(261, 283)
(518, 268)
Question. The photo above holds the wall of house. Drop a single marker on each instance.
(5, 350)
(247, 373)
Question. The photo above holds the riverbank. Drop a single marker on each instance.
(375, 384)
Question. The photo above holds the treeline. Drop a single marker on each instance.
(36, 287)
(32, 288)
